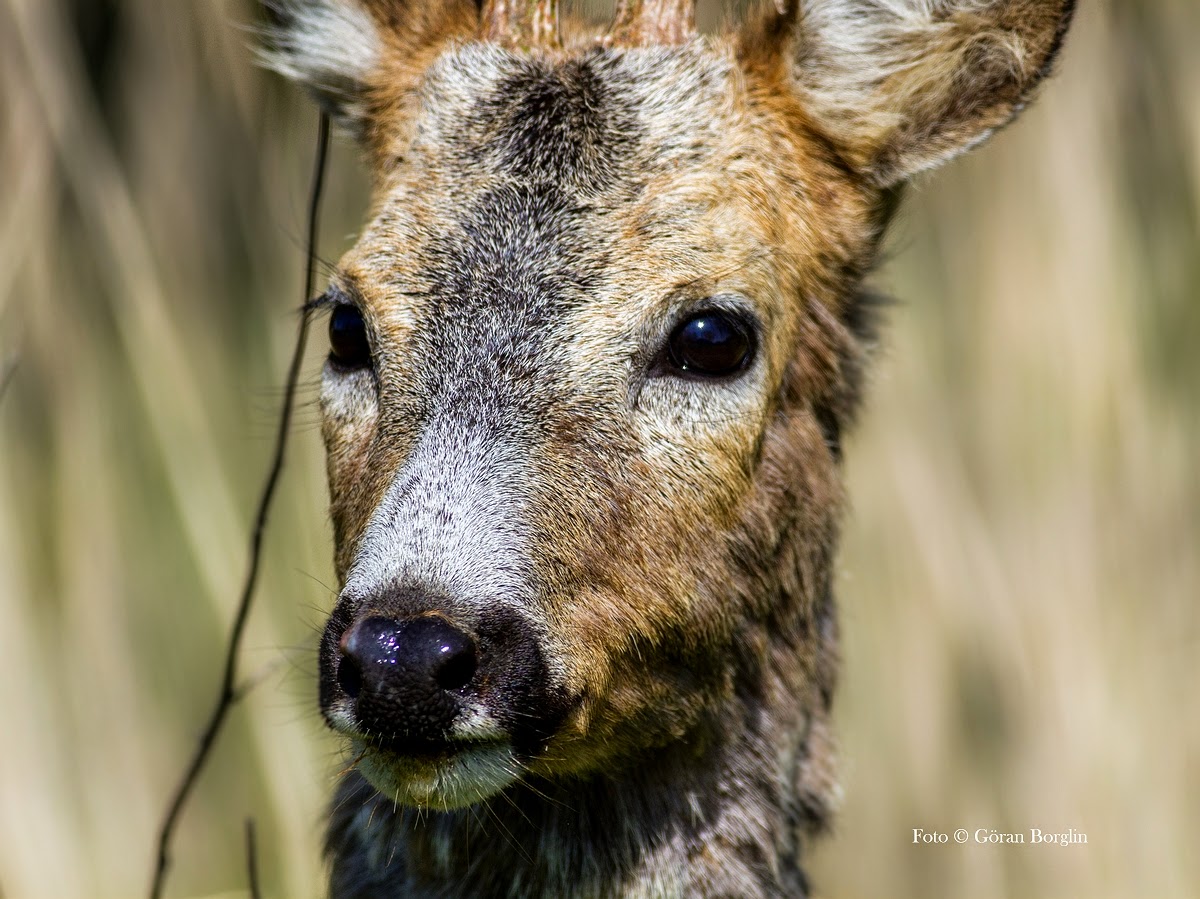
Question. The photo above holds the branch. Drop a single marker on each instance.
(227, 696)
(252, 860)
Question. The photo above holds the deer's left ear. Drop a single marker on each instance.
(903, 85)
(363, 59)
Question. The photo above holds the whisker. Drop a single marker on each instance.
(512, 803)
(352, 766)
(509, 838)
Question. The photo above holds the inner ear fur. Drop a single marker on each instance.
(363, 59)
(903, 85)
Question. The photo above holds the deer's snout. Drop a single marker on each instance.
(405, 677)
(419, 681)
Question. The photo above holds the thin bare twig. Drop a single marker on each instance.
(228, 695)
(252, 860)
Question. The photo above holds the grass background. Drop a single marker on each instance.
(1020, 578)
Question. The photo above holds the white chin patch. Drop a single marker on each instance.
(455, 781)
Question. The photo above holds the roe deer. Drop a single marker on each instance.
(590, 361)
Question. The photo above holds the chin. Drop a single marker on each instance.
(451, 780)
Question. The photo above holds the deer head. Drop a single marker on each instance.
(590, 360)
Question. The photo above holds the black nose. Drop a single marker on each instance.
(403, 676)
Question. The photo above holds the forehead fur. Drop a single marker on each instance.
(580, 121)
(509, 154)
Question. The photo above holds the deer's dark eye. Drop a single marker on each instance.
(712, 344)
(348, 344)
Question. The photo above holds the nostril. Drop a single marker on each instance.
(349, 678)
(456, 662)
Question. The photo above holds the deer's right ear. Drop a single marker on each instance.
(902, 85)
(362, 59)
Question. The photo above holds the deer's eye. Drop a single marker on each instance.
(712, 344)
(348, 344)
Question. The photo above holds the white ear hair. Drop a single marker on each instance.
(903, 85)
(329, 46)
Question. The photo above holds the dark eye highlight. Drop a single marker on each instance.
(348, 343)
(712, 344)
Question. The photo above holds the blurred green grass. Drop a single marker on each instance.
(1020, 574)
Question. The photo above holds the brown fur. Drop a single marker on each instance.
(541, 216)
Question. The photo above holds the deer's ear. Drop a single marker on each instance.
(903, 85)
(361, 59)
